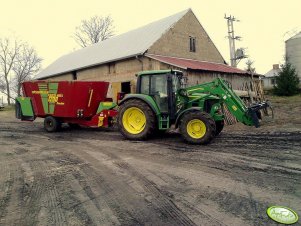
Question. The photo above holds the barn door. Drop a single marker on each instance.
(116, 88)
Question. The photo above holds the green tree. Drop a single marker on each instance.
(287, 81)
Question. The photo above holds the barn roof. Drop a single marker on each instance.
(272, 73)
(197, 65)
(130, 44)
(295, 36)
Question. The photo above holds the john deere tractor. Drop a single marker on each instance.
(161, 100)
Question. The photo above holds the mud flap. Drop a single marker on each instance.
(18, 110)
(24, 110)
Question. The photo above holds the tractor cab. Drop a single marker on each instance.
(163, 87)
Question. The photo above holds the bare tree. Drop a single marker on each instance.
(93, 30)
(8, 56)
(27, 64)
(250, 68)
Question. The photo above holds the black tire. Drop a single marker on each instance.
(74, 125)
(150, 124)
(219, 127)
(208, 122)
(52, 124)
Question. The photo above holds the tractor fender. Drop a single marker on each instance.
(192, 109)
(147, 99)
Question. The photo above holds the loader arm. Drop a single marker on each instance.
(220, 88)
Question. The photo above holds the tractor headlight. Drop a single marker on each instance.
(218, 109)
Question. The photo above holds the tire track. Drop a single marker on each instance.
(41, 199)
(164, 206)
(6, 190)
(162, 202)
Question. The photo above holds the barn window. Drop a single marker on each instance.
(192, 44)
(126, 87)
(74, 75)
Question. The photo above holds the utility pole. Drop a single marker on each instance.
(238, 54)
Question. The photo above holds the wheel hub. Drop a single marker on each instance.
(196, 128)
(134, 120)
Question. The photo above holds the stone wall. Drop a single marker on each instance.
(175, 42)
(126, 70)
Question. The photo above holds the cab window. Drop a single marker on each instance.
(145, 85)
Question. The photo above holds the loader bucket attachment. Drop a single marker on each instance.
(254, 112)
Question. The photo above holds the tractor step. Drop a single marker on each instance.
(164, 121)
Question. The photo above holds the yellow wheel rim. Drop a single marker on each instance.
(134, 120)
(196, 128)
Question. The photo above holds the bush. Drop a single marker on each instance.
(287, 81)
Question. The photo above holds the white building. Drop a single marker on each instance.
(269, 78)
(293, 52)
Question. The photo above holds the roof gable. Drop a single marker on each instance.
(272, 73)
(175, 42)
(295, 36)
(118, 47)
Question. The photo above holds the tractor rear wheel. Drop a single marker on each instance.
(136, 120)
(219, 127)
(52, 124)
(197, 127)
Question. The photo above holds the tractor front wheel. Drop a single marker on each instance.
(52, 124)
(136, 120)
(197, 127)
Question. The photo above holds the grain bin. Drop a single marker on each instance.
(293, 52)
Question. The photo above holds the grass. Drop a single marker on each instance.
(296, 99)
(286, 111)
(8, 108)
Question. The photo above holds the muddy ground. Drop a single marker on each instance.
(95, 177)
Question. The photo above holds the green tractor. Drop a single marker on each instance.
(161, 100)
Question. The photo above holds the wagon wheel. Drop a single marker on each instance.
(52, 124)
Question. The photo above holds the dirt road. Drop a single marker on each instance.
(95, 177)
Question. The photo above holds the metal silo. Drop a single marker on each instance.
(293, 52)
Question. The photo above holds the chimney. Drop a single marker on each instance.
(275, 66)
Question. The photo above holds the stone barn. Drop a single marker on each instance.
(177, 42)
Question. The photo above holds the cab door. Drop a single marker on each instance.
(155, 86)
(173, 85)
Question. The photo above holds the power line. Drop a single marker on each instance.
(235, 55)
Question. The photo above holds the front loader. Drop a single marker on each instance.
(161, 101)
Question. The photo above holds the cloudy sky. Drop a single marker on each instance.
(48, 25)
